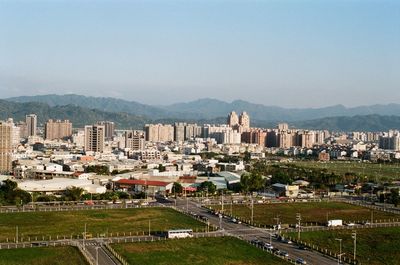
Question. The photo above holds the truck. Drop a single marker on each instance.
(336, 222)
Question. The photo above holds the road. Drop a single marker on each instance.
(100, 254)
(249, 233)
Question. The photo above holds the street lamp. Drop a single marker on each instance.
(298, 218)
(354, 236)
(97, 255)
(340, 250)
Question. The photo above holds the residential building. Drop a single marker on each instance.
(58, 129)
(94, 138)
(31, 123)
(135, 140)
(5, 146)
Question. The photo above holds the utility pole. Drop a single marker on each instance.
(222, 200)
(149, 227)
(16, 234)
(298, 218)
(252, 210)
(84, 237)
(277, 223)
(354, 236)
(340, 250)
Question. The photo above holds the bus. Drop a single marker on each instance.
(180, 233)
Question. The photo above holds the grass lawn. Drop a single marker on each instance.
(200, 251)
(374, 245)
(369, 170)
(32, 224)
(311, 212)
(42, 256)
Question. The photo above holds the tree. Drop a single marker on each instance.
(177, 188)
(394, 196)
(251, 182)
(73, 193)
(208, 186)
(11, 194)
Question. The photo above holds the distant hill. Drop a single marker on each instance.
(81, 116)
(77, 115)
(100, 103)
(372, 123)
(215, 108)
(207, 108)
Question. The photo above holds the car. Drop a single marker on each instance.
(351, 224)
(255, 242)
(283, 254)
(268, 246)
(301, 247)
(300, 261)
(285, 240)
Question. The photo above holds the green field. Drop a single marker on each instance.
(32, 224)
(311, 212)
(200, 251)
(42, 256)
(374, 245)
(369, 171)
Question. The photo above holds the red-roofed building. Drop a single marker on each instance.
(151, 187)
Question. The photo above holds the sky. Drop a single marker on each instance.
(284, 53)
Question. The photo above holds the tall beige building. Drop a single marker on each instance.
(109, 128)
(6, 138)
(283, 126)
(31, 124)
(159, 132)
(135, 140)
(244, 120)
(58, 129)
(94, 138)
(233, 119)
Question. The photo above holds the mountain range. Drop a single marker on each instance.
(208, 108)
(83, 110)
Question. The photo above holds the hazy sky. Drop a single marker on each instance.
(287, 53)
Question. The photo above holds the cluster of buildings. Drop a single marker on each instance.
(162, 154)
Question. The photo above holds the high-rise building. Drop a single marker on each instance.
(192, 131)
(283, 127)
(159, 132)
(256, 136)
(109, 129)
(5, 146)
(58, 129)
(233, 119)
(31, 124)
(244, 120)
(179, 131)
(135, 140)
(94, 138)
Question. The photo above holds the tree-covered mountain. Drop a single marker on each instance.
(79, 116)
(209, 108)
(371, 123)
(100, 103)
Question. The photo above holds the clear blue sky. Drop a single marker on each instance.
(287, 53)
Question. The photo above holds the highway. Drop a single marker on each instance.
(249, 233)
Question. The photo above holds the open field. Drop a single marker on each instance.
(311, 212)
(374, 245)
(369, 171)
(32, 224)
(200, 251)
(42, 256)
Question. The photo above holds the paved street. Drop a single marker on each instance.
(248, 233)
